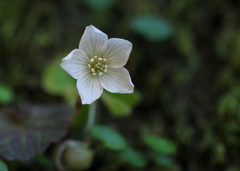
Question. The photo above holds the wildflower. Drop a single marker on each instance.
(98, 64)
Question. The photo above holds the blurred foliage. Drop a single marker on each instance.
(159, 144)
(133, 157)
(113, 140)
(153, 28)
(3, 166)
(185, 64)
(100, 5)
(6, 94)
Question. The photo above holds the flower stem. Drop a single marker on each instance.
(91, 117)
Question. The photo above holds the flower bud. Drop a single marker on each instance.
(73, 155)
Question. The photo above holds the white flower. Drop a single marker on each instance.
(98, 64)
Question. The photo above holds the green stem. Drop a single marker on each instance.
(91, 117)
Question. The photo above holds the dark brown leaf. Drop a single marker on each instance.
(28, 130)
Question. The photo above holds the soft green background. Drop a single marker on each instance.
(185, 65)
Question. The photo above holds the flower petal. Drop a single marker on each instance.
(117, 80)
(93, 41)
(117, 52)
(74, 63)
(89, 88)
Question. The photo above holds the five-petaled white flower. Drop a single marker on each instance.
(98, 64)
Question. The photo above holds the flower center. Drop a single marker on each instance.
(97, 66)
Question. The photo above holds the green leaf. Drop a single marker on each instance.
(6, 94)
(110, 138)
(59, 82)
(29, 129)
(120, 105)
(131, 99)
(159, 144)
(3, 166)
(153, 28)
(56, 80)
(116, 106)
(162, 160)
(133, 157)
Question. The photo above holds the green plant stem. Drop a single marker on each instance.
(91, 117)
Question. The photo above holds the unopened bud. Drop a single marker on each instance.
(73, 155)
